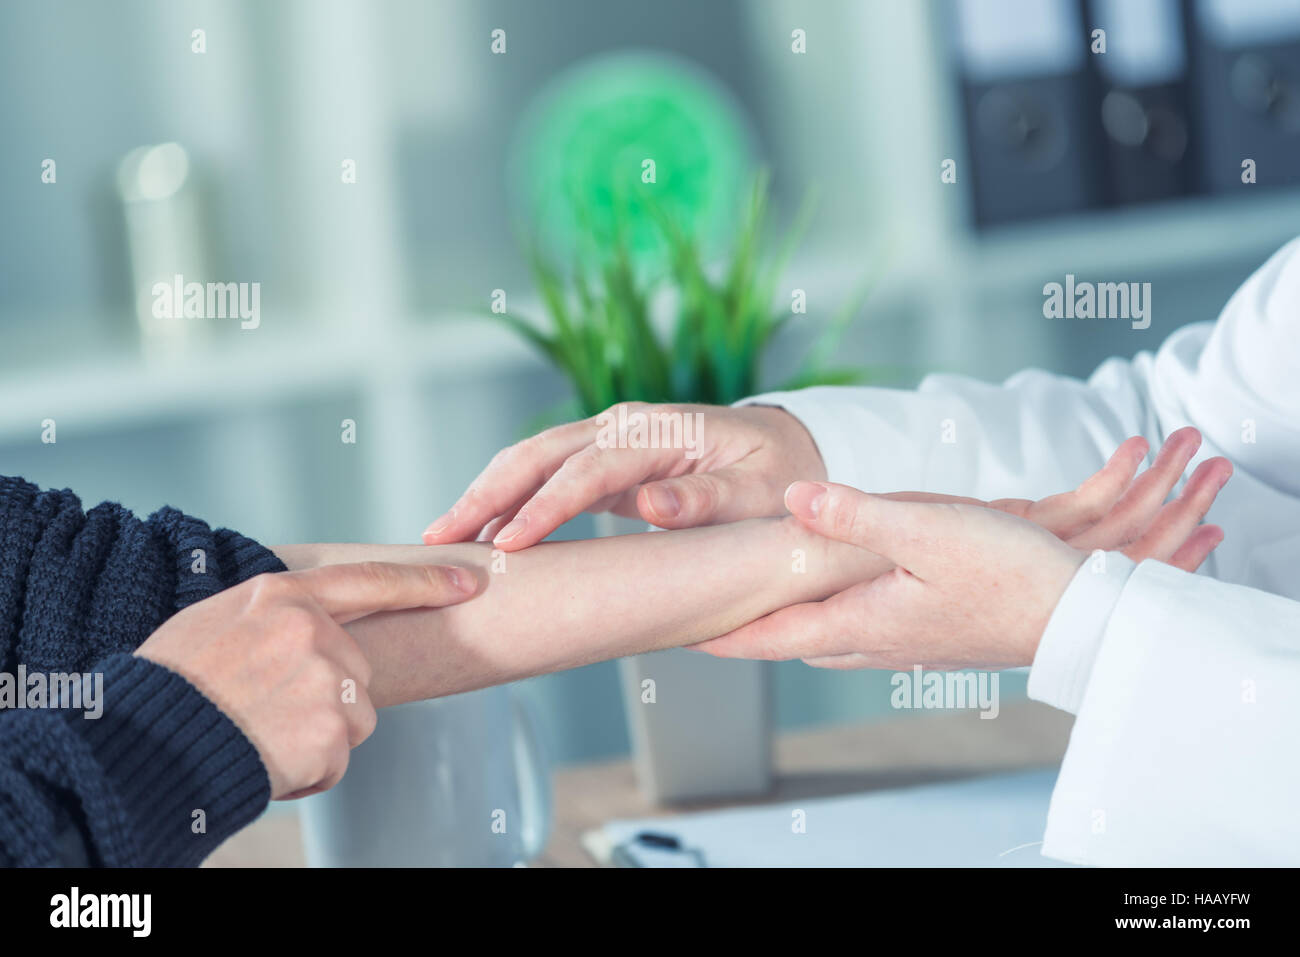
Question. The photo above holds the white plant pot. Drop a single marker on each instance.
(700, 726)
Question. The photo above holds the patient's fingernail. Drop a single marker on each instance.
(805, 498)
(663, 501)
(462, 580)
(513, 530)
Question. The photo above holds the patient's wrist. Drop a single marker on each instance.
(297, 557)
(822, 567)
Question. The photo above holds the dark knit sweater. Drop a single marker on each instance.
(79, 591)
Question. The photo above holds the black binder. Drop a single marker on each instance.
(1140, 98)
(1245, 85)
(1021, 66)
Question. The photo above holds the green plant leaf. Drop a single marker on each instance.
(603, 336)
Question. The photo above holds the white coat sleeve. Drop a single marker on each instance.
(1187, 694)
(1237, 380)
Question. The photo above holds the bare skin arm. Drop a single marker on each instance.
(564, 604)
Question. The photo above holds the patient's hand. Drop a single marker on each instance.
(972, 587)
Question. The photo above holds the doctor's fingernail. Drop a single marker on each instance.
(440, 525)
(805, 499)
(663, 502)
(513, 530)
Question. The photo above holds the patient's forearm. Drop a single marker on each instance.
(564, 604)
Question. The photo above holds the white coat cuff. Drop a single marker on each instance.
(826, 423)
(1068, 648)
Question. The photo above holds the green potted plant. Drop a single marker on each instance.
(656, 291)
(604, 337)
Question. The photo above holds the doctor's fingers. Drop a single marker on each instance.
(853, 661)
(1176, 522)
(1138, 506)
(584, 479)
(509, 480)
(864, 620)
(620, 503)
(728, 494)
(797, 631)
(1070, 513)
(920, 537)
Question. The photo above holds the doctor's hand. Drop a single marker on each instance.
(974, 586)
(746, 458)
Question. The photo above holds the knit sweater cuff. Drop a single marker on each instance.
(234, 559)
(185, 775)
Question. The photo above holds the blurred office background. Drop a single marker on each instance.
(1122, 166)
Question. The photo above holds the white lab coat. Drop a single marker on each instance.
(1186, 689)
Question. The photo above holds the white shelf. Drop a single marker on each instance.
(1128, 243)
(122, 387)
